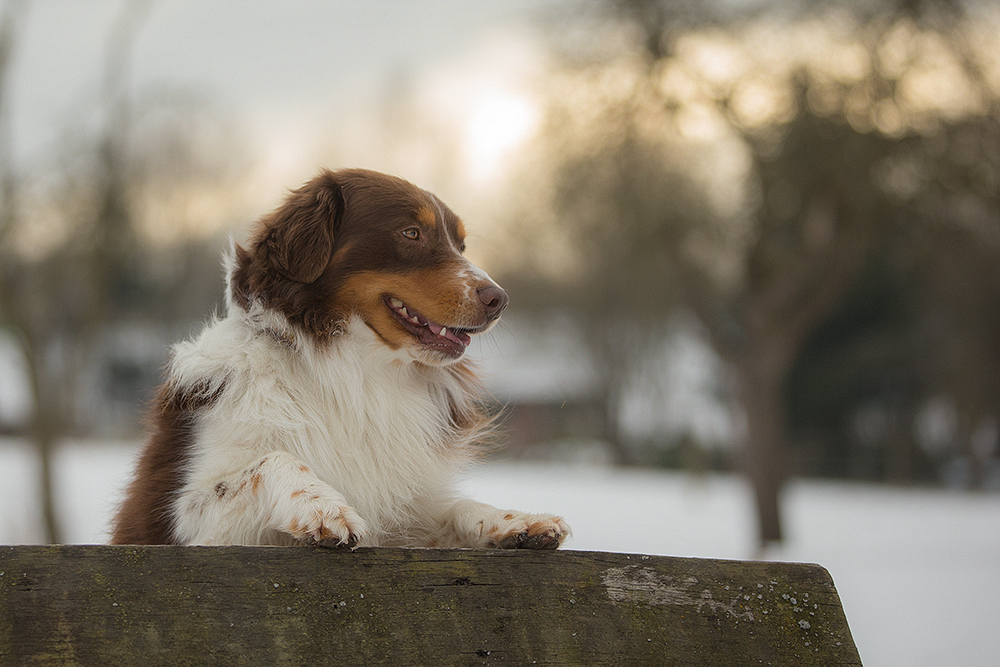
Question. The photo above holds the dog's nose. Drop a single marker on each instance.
(494, 298)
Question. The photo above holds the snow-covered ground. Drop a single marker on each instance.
(918, 571)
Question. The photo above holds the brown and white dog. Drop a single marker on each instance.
(333, 404)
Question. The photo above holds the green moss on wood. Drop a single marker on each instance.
(241, 605)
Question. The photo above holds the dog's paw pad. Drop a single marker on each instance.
(530, 532)
(333, 542)
(542, 541)
(333, 527)
(512, 541)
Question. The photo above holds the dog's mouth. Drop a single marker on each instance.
(450, 341)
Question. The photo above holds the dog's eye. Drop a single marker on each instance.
(412, 233)
(461, 247)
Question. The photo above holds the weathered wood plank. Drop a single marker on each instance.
(98, 605)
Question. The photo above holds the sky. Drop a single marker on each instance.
(279, 69)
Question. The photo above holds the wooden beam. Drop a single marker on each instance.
(102, 605)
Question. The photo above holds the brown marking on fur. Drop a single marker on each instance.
(324, 532)
(336, 226)
(221, 489)
(332, 249)
(297, 238)
(542, 528)
(540, 534)
(425, 215)
(439, 294)
(296, 494)
(304, 468)
(294, 527)
(146, 514)
(255, 482)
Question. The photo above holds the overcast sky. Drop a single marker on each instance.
(263, 60)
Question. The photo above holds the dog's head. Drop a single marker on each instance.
(362, 243)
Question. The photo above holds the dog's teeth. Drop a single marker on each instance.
(443, 332)
(403, 310)
(415, 320)
(395, 303)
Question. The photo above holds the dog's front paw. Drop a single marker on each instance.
(515, 530)
(326, 523)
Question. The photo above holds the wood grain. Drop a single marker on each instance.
(102, 605)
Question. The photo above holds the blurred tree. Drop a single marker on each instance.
(843, 168)
(628, 204)
(76, 253)
(57, 298)
(921, 325)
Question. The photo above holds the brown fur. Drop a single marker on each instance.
(333, 228)
(332, 249)
(144, 517)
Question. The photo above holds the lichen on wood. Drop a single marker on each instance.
(85, 605)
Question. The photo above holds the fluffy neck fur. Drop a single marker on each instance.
(387, 432)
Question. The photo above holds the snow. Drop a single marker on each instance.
(918, 570)
(676, 392)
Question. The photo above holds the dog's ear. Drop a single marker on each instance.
(298, 237)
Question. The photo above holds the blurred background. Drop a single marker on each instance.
(753, 251)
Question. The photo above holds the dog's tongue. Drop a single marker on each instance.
(460, 338)
(430, 333)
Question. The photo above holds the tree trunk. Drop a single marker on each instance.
(976, 459)
(761, 381)
(899, 467)
(610, 404)
(45, 446)
(46, 422)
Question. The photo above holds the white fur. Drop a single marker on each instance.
(349, 441)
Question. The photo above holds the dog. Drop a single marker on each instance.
(333, 404)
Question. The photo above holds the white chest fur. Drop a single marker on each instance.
(366, 420)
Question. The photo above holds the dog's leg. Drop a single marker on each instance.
(468, 523)
(277, 493)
